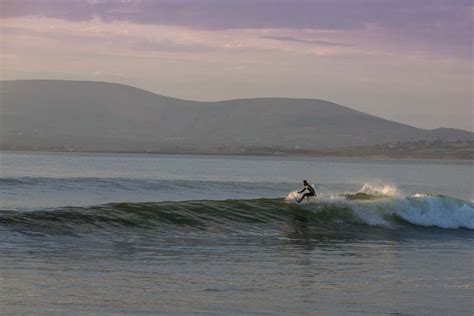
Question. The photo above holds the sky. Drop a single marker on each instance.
(404, 60)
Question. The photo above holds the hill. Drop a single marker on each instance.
(104, 116)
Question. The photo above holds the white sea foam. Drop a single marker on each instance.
(385, 201)
(292, 196)
(440, 211)
(385, 190)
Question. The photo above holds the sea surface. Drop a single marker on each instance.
(115, 234)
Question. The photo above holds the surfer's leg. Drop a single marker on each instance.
(304, 195)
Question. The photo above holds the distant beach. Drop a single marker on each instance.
(458, 150)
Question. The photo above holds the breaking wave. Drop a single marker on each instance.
(368, 207)
(385, 206)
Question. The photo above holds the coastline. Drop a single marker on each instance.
(323, 153)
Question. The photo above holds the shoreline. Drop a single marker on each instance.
(302, 153)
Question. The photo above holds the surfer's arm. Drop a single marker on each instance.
(302, 190)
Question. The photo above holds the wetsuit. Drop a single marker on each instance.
(310, 193)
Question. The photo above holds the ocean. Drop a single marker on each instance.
(116, 234)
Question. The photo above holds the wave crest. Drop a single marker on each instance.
(376, 190)
(436, 210)
(248, 215)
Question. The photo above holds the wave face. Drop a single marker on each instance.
(385, 206)
(255, 216)
(420, 209)
(48, 193)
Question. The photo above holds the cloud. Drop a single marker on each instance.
(230, 14)
(101, 34)
(440, 26)
(167, 45)
(144, 38)
(304, 41)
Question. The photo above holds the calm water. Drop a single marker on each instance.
(148, 234)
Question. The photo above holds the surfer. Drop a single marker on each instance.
(311, 191)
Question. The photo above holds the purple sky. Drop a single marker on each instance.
(347, 47)
(445, 26)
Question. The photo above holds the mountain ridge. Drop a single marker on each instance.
(108, 116)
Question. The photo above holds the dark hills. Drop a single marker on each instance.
(113, 117)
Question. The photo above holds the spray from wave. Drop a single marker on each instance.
(386, 206)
